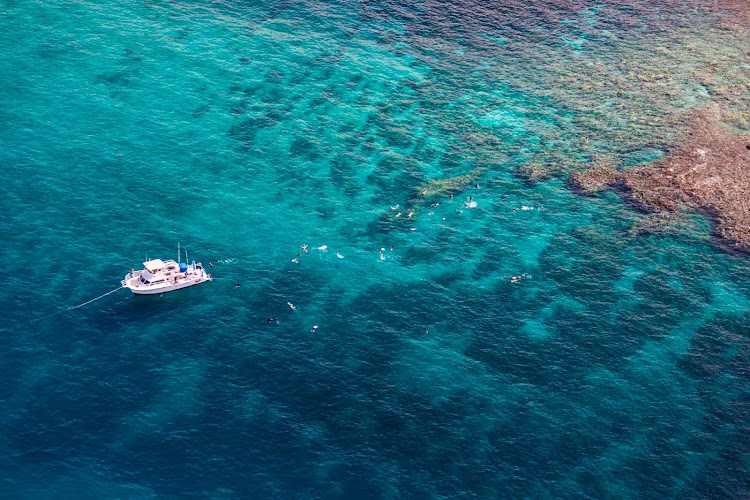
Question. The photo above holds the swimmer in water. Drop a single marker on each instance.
(451, 195)
(476, 185)
(423, 193)
(395, 208)
(304, 248)
(459, 211)
(314, 328)
(391, 248)
(339, 255)
(399, 214)
(430, 213)
(295, 261)
(426, 331)
(270, 320)
(435, 205)
(237, 284)
(410, 214)
(210, 265)
(290, 304)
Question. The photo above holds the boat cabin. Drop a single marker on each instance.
(154, 266)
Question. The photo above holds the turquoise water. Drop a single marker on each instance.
(617, 367)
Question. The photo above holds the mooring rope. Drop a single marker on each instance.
(93, 300)
(39, 318)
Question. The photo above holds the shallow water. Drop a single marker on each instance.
(616, 367)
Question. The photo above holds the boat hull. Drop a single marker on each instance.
(168, 288)
(131, 281)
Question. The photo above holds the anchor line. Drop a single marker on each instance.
(93, 300)
(71, 308)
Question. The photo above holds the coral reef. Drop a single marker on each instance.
(533, 173)
(709, 170)
(601, 175)
(434, 188)
(661, 223)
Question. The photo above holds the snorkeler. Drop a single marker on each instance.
(237, 284)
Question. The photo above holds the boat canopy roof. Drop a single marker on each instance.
(153, 265)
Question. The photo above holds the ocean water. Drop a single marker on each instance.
(616, 367)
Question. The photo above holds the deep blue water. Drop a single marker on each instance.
(616, 367)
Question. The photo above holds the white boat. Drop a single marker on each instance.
(161, 276)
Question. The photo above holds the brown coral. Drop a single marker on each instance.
(709, 170)
(601, 175)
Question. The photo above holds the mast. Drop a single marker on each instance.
(178, 253)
